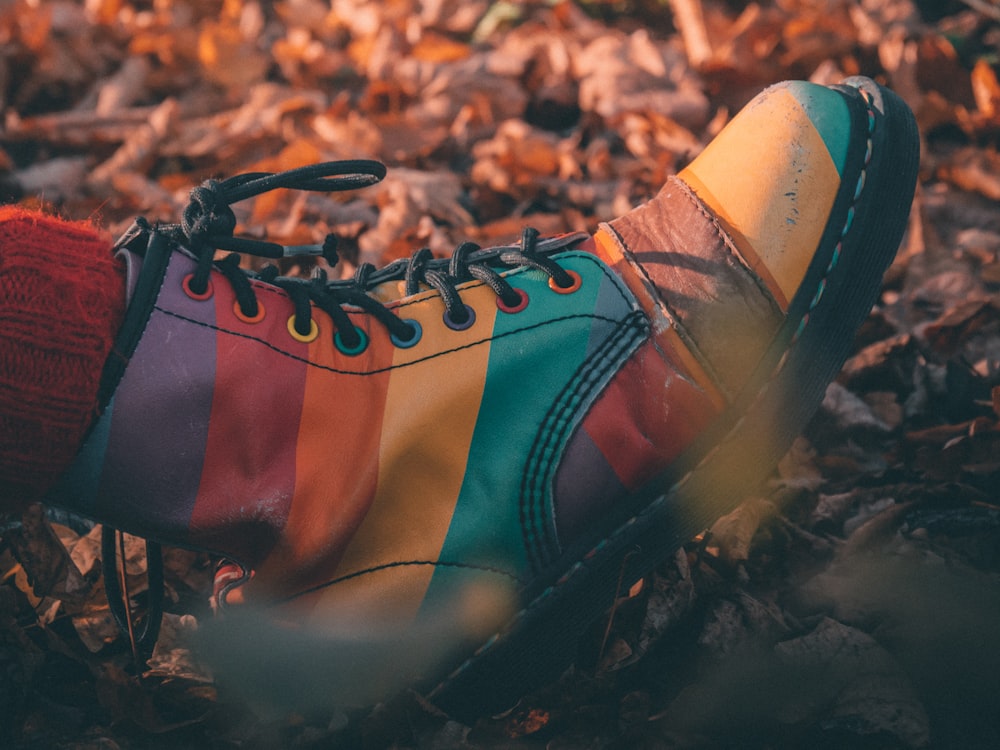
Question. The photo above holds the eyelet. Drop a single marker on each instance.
(241, 316)
(417, 333)
(504, 307)
(470, 318)
(577, 283)
(307, 338)
(186, 286)
(351, 351)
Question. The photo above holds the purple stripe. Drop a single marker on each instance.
(159, 427)
(585, 485)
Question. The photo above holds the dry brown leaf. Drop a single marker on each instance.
(228, 49)
(732, 534)
(869, 691)
(986, 88)
(976, 170)
(47, 565)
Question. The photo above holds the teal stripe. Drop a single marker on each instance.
(533, 355)
(609, 305)
(76, 490)
(830, 116)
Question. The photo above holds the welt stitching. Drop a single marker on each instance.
(729, 437)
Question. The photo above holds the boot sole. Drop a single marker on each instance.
(741, 448)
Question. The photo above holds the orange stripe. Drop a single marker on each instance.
(430, 414)
(336, 460)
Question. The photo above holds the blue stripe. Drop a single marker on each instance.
(77, 489)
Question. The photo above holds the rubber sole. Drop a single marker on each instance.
(743, 446)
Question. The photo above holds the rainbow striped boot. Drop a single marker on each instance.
(440, 472)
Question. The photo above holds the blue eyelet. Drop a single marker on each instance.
(417, 333)
(470, 318)
(353, 350)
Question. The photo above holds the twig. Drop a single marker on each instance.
(985, 7)
(690, 22)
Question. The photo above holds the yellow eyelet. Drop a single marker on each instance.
(309, 337)
(238, 312)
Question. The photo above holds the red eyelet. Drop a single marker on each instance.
(186, 286)
(577, 283)
(523, 303)
(240, 315)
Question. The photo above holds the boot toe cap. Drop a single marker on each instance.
(772, 176)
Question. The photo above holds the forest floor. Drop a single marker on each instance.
(852, 601)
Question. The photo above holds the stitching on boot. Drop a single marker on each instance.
(540, 539)
(727, 438)
(669, 312)
(627, 298)
(399, 564)
(727, 240)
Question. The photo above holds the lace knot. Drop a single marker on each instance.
(208, 212)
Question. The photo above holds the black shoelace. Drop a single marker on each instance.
(208, 224)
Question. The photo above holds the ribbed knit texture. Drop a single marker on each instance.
(62, 297)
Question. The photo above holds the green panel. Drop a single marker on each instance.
(829, 113)
(533, 355)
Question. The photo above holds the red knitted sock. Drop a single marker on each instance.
(62, 297)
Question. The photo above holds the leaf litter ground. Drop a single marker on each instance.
(851, 601)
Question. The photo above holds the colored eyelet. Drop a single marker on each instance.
(516, 308)
(307, 338)
(577, 283)
(406, 344)
(242, 316)
(200, 297)
(351, 351)
(470, 318)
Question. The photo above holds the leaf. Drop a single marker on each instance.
(46, 563)
(986, 88)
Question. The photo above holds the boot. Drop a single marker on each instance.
(452, 466)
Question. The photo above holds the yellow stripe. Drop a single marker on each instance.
(428, 422)
(770, 179)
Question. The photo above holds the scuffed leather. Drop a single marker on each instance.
(724, 311)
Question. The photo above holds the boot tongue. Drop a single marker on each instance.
(62, 300)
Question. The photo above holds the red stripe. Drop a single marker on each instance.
(647, 415)
(248, 477)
